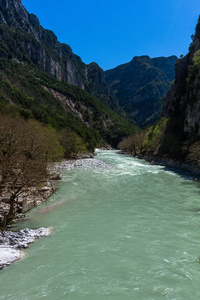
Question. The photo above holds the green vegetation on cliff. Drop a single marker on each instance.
(32, 93)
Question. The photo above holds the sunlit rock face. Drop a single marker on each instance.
(32, 41)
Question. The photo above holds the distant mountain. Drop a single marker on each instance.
(140, 86)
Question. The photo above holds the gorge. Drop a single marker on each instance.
(121, 228)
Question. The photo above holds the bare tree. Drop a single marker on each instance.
(25, 149)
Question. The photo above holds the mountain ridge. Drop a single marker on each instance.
(141, 84)
(30, 42)
(42, 47)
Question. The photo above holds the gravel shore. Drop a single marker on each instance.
(12, 243)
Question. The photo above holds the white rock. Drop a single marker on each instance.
(11, 243)
(9, 255)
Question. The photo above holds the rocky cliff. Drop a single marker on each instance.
(97, 85)
(23, 38)
(140, 86)
(184, 97)
(175, 139)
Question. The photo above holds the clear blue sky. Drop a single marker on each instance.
(112, 32)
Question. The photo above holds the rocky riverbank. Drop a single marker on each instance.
(29, 197)
(33, 196)
(168, 162)
(12, 243)
(172, 163)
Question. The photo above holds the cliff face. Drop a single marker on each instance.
(141, 84)
(23, 38)
(184, 97)
(98, 86)
(12, 11)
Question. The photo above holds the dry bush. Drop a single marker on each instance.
(194, 153)
(126, 145)
(133, 144)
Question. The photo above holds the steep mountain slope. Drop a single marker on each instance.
(31, 92)
(140, 86)
(182, 103)
(23, 38)
(98, 87)
(184, 96)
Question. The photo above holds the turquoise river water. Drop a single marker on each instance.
(127, 231)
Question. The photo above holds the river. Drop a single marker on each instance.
(123, 229)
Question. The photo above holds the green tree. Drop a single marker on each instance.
(72, 143)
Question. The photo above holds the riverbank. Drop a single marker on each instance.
(12, 243)
(34, 196)
(168, 162)
(29, 198)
